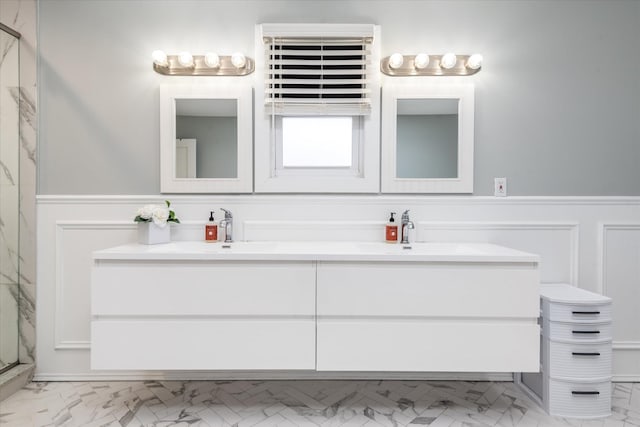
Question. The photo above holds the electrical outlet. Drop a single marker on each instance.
(500, 187)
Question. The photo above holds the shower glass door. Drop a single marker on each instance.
(9, 197)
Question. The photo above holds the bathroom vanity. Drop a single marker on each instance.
(316, 306)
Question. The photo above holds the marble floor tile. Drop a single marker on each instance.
(294, 403)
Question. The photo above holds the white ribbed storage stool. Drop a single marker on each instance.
(575, 361)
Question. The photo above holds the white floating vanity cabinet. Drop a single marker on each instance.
(315, 307)
(201, 315)
(426, 316)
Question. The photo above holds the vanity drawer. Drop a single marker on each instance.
(378, 344)
(203, 344)
(579, 399)
(195, 288)
(577, 331)
(576, 312)
(434, 289)
(577, 360)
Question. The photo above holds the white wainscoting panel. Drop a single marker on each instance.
(620, 280)
(555, 242)
(589, 242)
(74, 243)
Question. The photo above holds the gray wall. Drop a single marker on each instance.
(557, 101)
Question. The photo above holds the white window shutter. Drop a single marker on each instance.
(314, 74)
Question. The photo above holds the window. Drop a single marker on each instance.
(317, 111)
(310, 145)
(317, 142)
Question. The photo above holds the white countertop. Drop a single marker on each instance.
(317, 251)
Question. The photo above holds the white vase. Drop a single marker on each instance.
(150, 234)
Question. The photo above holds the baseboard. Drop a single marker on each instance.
(626, 378)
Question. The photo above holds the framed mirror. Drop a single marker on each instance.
(427, 139)
(206, 138)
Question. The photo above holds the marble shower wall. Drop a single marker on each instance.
(21, 16)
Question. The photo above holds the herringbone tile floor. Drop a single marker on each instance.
(293, 403)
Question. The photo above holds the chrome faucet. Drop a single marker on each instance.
(406, 226)
(227, 223)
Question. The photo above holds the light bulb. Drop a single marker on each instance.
(448, 60)
(421, 61)
(185, 59)
(396, 60)
(159, 58)
(212, 60)
(475, 61)
(238, 60)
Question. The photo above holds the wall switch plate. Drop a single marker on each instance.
(500, 187)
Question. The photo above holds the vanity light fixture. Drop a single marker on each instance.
(421, 61)
(209, 64)
(238, 60)
(159, 58)
(212, 60)
(396, 60)
(185, 59)
(423, 64)
(475, 61)
(448, 61)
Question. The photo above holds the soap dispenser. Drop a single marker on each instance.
(211, 230)
(391, 234)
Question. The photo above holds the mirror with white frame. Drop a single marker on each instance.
(206, 138)
(427, 135)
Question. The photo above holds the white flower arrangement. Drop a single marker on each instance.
(160, 215)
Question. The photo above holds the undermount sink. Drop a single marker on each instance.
(420, 248)
(320, 247)
(340, 247)
(240, 247)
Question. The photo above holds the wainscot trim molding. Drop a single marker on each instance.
(353, 199)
